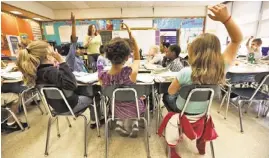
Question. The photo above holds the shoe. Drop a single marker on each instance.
(15, 127)
(134, 132)
(121, 131)
(93, 123)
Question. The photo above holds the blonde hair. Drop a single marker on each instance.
(30, 58)
(206, 60)
(155, 48)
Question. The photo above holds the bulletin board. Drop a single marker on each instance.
(144, 38)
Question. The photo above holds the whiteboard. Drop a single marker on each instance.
(65, 33)
(144, 38)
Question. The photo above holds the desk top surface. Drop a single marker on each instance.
(243, 67)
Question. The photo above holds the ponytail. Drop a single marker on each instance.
(30, 58)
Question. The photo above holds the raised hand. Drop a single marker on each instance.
(220, 12)
(127, 27)
(72, 17)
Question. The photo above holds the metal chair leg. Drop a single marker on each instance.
(147, 137)
(259, 109)
(24, 108)
(48, 136)
(157, 118)
(240, 118)
(228, 101)
(85, 135)
(148, 115)
(266, 112)
(106, 136)
(96, 118)
(57, 125)
(15, 118)
(69, 124)
(43, 102)
(222, 101)
(168, 151)
(212, 149)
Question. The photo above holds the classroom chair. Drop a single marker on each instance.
(196, 93)
(130, 93)
(24, 99)
(233, 80)
(55, 93)
(249, 94)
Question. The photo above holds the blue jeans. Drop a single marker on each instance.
(170, 102)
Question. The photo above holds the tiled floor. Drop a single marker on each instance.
(254, 143)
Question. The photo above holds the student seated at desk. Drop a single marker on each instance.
(255, 47)
(154, 56)
(11, 100)
(207, 64)
(36, 64)
(118, 52)
(171, 60)
(73, 59)
(102, 60)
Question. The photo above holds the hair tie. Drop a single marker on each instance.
(27, 49)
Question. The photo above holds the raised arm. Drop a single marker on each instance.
(221, 14)
(73, 36)
(247, 44)
(136, 55)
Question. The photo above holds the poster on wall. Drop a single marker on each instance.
(13, 42)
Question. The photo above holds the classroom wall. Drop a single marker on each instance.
(33, 7)
(185, 11)
(11, 25)
(158, 23)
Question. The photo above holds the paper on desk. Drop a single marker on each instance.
(146, 78)
(12, 75)
(8, 68)
(87, 78)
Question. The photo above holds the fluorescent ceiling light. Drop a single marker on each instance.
(37, 19)
(16, 12)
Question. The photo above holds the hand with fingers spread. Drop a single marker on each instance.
(220, 12)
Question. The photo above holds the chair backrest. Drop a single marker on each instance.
(262, 78)
(197, 93)
(130, 93)
(127, 94)
(51, 92)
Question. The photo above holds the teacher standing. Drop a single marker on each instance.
(92, 42)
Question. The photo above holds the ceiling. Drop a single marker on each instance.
(62, 5)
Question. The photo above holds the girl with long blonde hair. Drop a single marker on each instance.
(36, 62)
(207, 64)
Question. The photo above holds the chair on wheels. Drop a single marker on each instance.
(249, 94)
(125, 94)
(55, 93)
(197, 93)
(34, 93)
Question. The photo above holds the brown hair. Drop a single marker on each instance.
(258, 41)
(206, 60)
(30, 58)
(90, 30)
